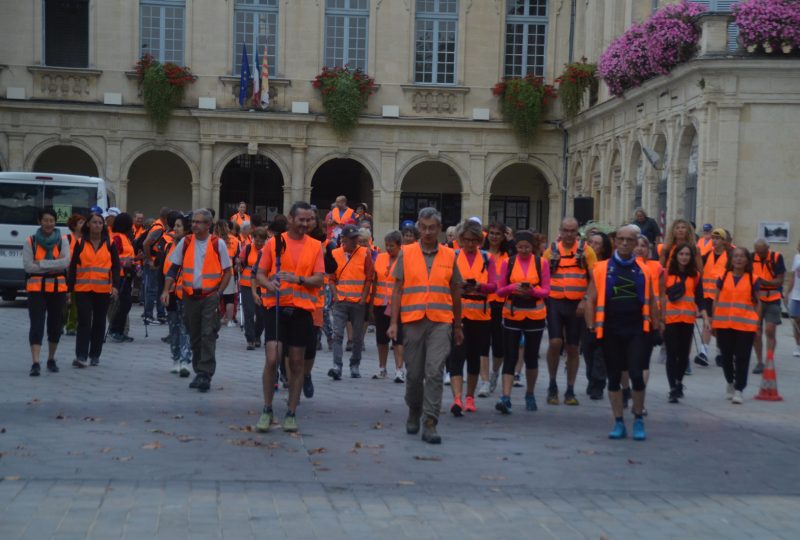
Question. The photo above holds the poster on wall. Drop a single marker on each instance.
(774, 232)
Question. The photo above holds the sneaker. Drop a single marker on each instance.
(517, 380)
(759, 369)
(446, 378)
(619, 431)
(204, 384)
(52, 367)
(570, 399)
(493, 381)
(639, 433)
(729, 391)
(231, 324)
(264, 421)
(796, 351)
(688, 369)
(349, 346)
(673, 396)
(185, 371)
(335, 373)
(399, 377)
(290, 423)
(457, 408)
(718, 360)
(71, 333)
(354, 372)
(429, 434)
(148, 320)
(308, 387)
(679, 389)
(251, 346)
(165, 339)
(530, 403)
(737, 398)
(380, 375)
(552, 395)
(469, 406)
(94, 362)
(162, 319)
(257, 344)
(176, 366)
(503, 405)
(35, 370)
(483, 389)
(116, 338)
(195, 382)
(127, 339)
(701, 360)
(80, 363)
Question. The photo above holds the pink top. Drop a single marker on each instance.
(542, 290)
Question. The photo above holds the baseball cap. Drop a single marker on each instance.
(476, 219)
(719, 231)
(113, 211)
(407, 224)
(707, 227)
(350, 231)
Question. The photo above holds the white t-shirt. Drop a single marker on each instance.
(200, 247)
(795, 295)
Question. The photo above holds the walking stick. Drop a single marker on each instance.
(279, 353)
(240, 311)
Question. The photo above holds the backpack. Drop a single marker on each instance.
(580, 256)
(138, 243)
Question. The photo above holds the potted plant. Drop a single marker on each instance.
(523, 101)
(163, 87)
(769, 24)
(345, 93)
(576, 78)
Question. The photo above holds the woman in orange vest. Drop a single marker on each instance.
(382, 287)
(735, 321)
(94, 276)
(681, 232)
(222, 230)
(45, 257)
(524, 288)
(179, 342)
(498, 247)
(74, 224)
(122, 239)
(251, 305)
(681, 298)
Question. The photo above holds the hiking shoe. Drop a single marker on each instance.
(597, 394)
(162, 319)
(412, 422)
(552, 395)
(335, 373)
(148, 320)
(619, 431)
(729, 391)
(116, 338)
(679, 389)
(204, 384)
(52, 367)
(469, 406)
(265, 421)
(493, 381)
(429, 434)
(759, 369)
(570, 399)
(737, 398)
(796, 351)
(251, 346)
(354, 372)
(718, 360)
(701, 360)
(80, 363)
(94, 362)
(308, 386)
(503, 405)
(517, 380)
(290, 423)
(35, 369)
(530, 403)
(399, 377)
(195, 382)
(176, 366)
(446, 379)
(483, 389)
(457, 408)
(184, 371)
(673, 396)
(380, 375)
(639, 433)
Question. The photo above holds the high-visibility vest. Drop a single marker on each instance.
(45, 283)
(599, 274)
(343, 217)
(427, 295)
(734, 308)
(73, 241)
(93, 272)
(249, 259)
(498, 259)
(177, 286)
(350, 274)
(655, 269)
(569, 280)
(713, 269)
(518, 309)
(126, 254)
(704, 246)
(210, 273)
(683, 310)
(238, 219)
(232, 243)
(765, 269)
(474, 307)
(137, 231)
(296, 295)
(157, 226)
(384, 279)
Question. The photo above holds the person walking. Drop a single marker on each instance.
(647, 226)
(714, 265)
(704, 245)
(737, 312)
(122, 240)
(94, 274)
(681, 232)
(241, 216)
(499, 249)
(290, 275)
(205, 267)
(769, 270)
(382, 288)
(794, 299)
(427, 300)
(351, 284)
(339, 216)
(151, 281)
(621, 311)
(592, 354)
(74, 224)
(45, 257)
(178, 338)
(251, 304)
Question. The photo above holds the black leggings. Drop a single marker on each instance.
(117, 325)
(735, 347)
(496, 332)
(92, 309)
(678, 341)
(628, 353)
(533, 338)
(47, 307)
(475, 345)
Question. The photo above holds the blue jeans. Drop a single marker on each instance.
(327, 329)
(178, 337)
(152, 290)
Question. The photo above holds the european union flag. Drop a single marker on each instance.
(244, 77)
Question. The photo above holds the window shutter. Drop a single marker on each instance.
(66, 33)
(733, 30)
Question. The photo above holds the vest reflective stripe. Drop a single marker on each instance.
(568, 281)
(498, 264)
(350, 275)
(93, 273)
(46, 283)
(599, 274)
(761, 270)
(516, 313)
(734, 308)
(298, 296)
(384, 280)
(474, 309)
(126, 254)
(427, 295)
(684, 310)
(245, 280)
(210, 274)
(177, 287)
(712, 271)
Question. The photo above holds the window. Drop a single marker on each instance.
(435, 41)
(255, 24)
(66, 33)
(346, 29)
(514, 212)
(690, 196)
(161, 27)
(68, 200)
(449, 204)
(526, 37)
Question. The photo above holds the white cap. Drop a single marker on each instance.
(113, 211)
(476, 219)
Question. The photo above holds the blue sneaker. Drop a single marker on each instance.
(619, 431)
(503, 405)
(639, 433)
(530, 402)
(688, 369)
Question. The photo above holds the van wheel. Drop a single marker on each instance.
(9, 295)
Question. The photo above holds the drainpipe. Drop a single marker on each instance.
(565, 134)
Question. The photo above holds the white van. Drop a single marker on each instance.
(22, 195)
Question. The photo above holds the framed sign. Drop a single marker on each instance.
(775, 232)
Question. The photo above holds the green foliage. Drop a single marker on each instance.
(163, 87)
(345, 93)
(572, 85)
(523, 103)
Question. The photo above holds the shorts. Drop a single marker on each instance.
(382, 322)
(228, 299)
(794, 308)
(563, 321)
(771, 312)
(296, 327)
(710, 306)
(311, 346)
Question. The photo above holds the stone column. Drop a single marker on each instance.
(112, 174)
(385, 211)
(471, 205)
(479, 184)
(297, 191)
(122, 195)
(713, 33)
(553, 214)
(201, 192)
(16, 152)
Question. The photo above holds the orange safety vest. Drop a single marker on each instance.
(246, 279)
(427, 295)
(238, 220)
(569, 280)
(126, 254)
(72, 243)
(532, 308)
(704, 246)
(765, 269)
(344, 217)
(655, 269)
(498, 264)
(350, 275)
(683, 310)
(45, 283)
(232, 243)
(93, 273)
(599, 274)
(384, 280)
(713, 269)
(211, 272)
(734, 308)
(157, 225)
(474, 307)
(296, 295)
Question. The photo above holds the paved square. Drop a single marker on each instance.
(126, 450)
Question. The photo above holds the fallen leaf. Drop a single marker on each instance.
(358, 445)
(387, 411)
(377, 425)
(316, 463)
(427, 458)
(496, 490)
(71, 453)
(589, 452)
(2, 430)
(375, 446)
(11, 478)
(251, 413)
(178, 417)
(634, 462)
(317, 451)
(294, 435)
(161, 432)
(155, 445)
(241, 429)
(90, 419)
(406, 482)
(60, 416)
(34, 401)
(122, 458)
(105, 450)
(502, 458)
(254, 443)
(147, 421)
(492, 478)
(186, 438)
(322, 469)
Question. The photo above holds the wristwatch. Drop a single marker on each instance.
(302, 280)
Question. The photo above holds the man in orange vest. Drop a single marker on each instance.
(150, 281)
(339, 216)
(350, 284)
(769, 269)
(714, 263)
(427, 300)
(704, 245)
(241, 216)
(205, 266)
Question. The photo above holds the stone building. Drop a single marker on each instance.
(724, 124)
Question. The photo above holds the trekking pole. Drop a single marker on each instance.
(279, 352)
(240, 311)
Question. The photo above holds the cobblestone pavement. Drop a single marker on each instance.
(127, 450)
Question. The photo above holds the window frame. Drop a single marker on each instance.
(526, 21)
(508, 201)
(255, 10)
(163, 5)
(437, 17)
(348, 13)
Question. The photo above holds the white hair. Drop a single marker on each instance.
(430, 213)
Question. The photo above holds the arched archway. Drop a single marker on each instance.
(662, 172)
(341, 176)
(594, 187)
(636, 172)
(688, 161)
(65, 159)
(431, 183)
(519, 198)
(159, 178)
(615, 205)
(254, 179)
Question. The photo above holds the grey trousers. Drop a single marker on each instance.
(426, 345)
(343, 312)
(201, 317)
